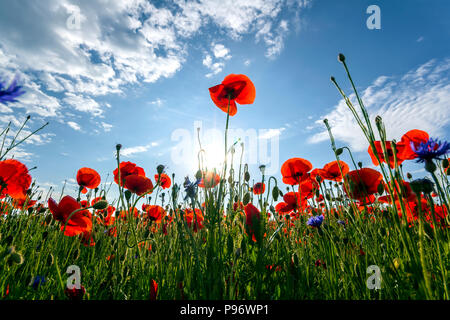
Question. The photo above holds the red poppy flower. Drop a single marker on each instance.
(331, 171)
(406, 192)
(197, 218)
(127, 169)
(259, 188)
(153, 290)
(389, 151)
(291, 203)
(209, 180)
(308, 188)
(138, 184)
(362, 182)
(164, 180)
(88, 178)
(252, 220)
(79, 222)
(404, 146)
(234, 88)
(14, 179)
(295, 170)
(154, 212)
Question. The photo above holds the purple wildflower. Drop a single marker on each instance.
(432, 149)
(10, 93)
(315, 221)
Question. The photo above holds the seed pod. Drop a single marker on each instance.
(160, 169)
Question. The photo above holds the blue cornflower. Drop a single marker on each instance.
(432, 149)
(11, 92)
(190, 188)
(37, 280)
(315, 221)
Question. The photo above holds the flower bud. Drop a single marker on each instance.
(100, 205)
(246, 198)
(275, 193)
(246, 176)
(160, 169)
(341, 58)
(339, 151)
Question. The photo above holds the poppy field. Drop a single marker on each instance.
(222, 234)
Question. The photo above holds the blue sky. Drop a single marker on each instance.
(138, 72)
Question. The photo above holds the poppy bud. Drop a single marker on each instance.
(246, 176)
(118, 146)
(246, 198)
(339, 151)
(445, 163)
(230, 179)
(160, 169)
(328, 197)
(332, 80)
(275, 193)
(360, 164)
(127, 195)
(198, 175)
(380, 189)
(100, 205)
(341, 58)
(317, 193)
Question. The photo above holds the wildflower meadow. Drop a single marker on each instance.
(341, 231)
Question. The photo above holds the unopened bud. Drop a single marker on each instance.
(341, 58)
(100, 205)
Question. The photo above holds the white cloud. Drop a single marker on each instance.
(75, 126)
(220, 51)
(128, 152)
(106, 126)
(418, 100)
(157, 102)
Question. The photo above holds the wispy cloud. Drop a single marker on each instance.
(130, 151)
(75, 126)
(417, 100)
